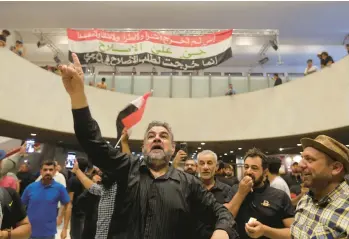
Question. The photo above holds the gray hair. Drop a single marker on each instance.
(161, 124)
(208, 152)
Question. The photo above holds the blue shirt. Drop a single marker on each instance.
(42, 204)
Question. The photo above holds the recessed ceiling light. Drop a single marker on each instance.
(281, 149)
(266, 152)
(133, 153)
(225, 154)
(220, 156)
(108, 142)
(202, 143)
(347, 145)
(199, 147)
(231, 152)
(196, 151)
(239, 148)
(32, 134)
(299, 144)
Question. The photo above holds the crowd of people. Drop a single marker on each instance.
(129, 197)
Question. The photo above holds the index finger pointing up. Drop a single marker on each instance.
(76, 61)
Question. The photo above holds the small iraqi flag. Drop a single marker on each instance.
(131, 114)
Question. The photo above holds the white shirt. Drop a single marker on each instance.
(280, 183)
(310, 70)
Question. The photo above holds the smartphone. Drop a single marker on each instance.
(30, 146)
(184, 147)
(69, 164)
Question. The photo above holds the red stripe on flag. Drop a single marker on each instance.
(136, 116)
(146, 35)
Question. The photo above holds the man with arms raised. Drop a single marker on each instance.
(154, 200)
(260, 210)
(324, 211)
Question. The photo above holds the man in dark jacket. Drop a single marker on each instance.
(145, 187)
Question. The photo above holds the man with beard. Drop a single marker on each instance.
(260, 210)
(207, 166)
(41, 199)
(190, 166)
(228, 177)
(154, 200)
(323, 212)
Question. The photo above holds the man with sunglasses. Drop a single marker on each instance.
(260, 211)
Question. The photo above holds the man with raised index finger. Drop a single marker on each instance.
(154, 200)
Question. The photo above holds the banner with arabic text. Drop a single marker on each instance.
(133, 48)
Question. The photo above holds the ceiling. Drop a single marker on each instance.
(304, 31)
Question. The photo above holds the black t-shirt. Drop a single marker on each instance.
(278, 81)
(75, 186)
(26, 178)
(268, 205)
(229, 181)
(327, 60)
(13, 212)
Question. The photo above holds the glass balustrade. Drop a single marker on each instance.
(182, 86)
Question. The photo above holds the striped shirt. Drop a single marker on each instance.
(325, 219)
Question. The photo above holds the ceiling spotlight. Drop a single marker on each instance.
(263, 61)
(299, 144)
(196, 151)
(225, 154)
(199, 147)
(231, 152)
(220, 156)
(239, 148)
(57, 60)
(266, 152)
(202, 143)
(274, 45)
(347, 145)
(32, 134)
(108, 142)
(281, 149)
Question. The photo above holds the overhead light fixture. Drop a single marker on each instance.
(239, 148)
(202, 143)
(231, 152)
(108, 142)
(199, 147)
(225, 154)
(32, 134)
(57, 60)
(299, 144)
(281, 149)
(347, 145)
(266, 152)
(133, 153)
(263, 61)
(196, 151)
(220, 156)
(274, 45)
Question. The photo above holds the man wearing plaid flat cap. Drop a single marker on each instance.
(324, 211)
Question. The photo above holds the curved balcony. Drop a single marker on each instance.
(34, 97)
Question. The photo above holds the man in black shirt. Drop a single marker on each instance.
(154, 200)
(260, 210)
(75, 188)
(25, 177)
(14, 223)
(277, 79)
(326, 60)
(207, 165)
(228, 177)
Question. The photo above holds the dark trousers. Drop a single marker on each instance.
(76, 226)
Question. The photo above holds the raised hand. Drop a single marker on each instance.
(73, 76)
(73, 81)
(245, 185)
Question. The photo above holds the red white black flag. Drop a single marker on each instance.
(131, 114)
